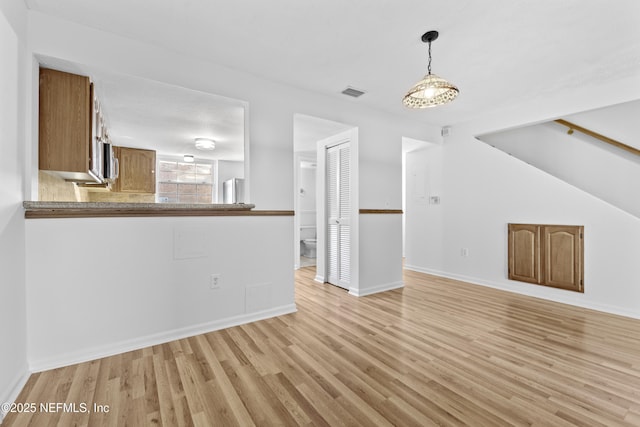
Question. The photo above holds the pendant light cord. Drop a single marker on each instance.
(429, 66)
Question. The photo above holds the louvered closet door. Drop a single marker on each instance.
(338, 213)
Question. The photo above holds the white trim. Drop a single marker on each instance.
(247, 152)
(155, 339)
(563, 299)
(376, 289)
(355, 208)
(16, 387)
(319, 279)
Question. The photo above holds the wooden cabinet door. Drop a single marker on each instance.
(524, 252)
(549, 255)
(137, 170)
(562, 256)
(64, 123)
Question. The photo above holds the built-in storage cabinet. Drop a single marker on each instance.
(65, 111)
(549, 255)
(562, 256)
(137, 170)
(524, 253)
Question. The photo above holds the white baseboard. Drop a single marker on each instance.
(155, 339)
(10, 395)
(319, 279)
(556, 295)
(376, 289)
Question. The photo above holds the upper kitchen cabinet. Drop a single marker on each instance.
(67, 144)
(137, 170)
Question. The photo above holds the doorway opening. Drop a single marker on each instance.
(421, 192)
(309, 200)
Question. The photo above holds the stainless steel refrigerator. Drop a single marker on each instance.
(233, 191)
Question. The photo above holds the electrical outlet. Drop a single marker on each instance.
(214, 281)
(464, 252)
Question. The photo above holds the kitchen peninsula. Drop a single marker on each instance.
(34, 209)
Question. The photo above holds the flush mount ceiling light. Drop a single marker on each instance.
(188, 158)
(205, 144)
(431, 90)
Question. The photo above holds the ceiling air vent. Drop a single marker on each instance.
(349, 91)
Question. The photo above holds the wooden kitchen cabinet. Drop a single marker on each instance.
(65, 108)
(549, 255)
(137, 170)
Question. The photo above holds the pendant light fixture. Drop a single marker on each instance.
(431, 90)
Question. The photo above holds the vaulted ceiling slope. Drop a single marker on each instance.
(601, 169)
(498, 52)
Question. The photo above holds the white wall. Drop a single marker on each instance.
(100, 286)
(483, 189)
(424, 235)
(13, 346)
(380, 187)
(307, 202)
(271, 110)
(380, 237)
(591, 165)
(308, 198)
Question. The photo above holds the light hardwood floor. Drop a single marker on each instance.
(438, 352)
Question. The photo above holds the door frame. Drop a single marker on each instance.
(350, 136)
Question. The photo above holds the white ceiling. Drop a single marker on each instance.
(170, 118)
(620, 122)
(308, 130)
(148, 114)
(498, 52)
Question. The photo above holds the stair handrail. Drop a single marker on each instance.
(573, 126)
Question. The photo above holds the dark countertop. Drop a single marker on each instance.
(36, 209)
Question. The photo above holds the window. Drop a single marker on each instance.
(180, 182)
